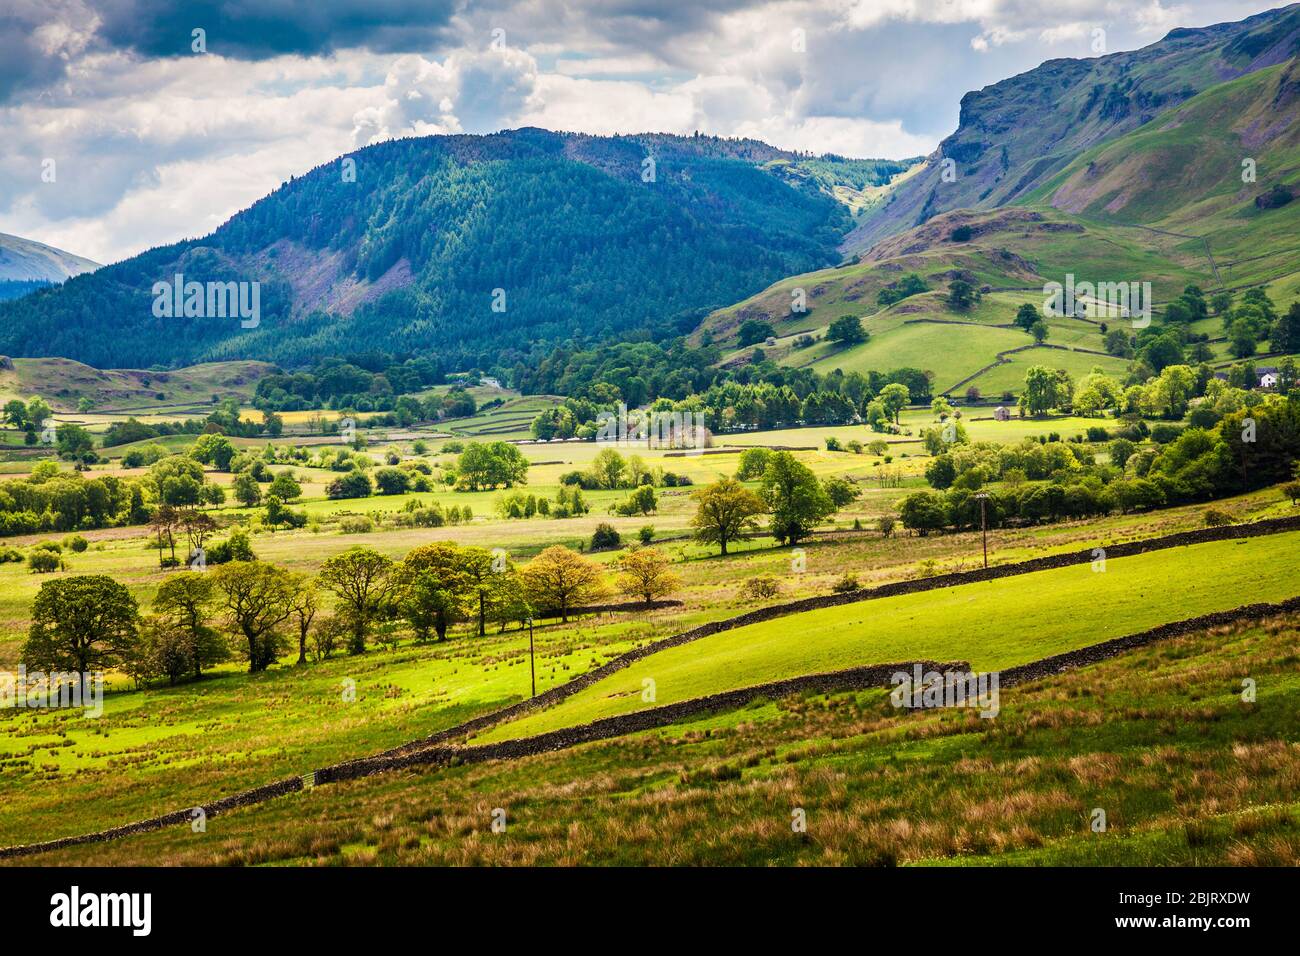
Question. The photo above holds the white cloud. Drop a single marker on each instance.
(605, 107)
(609, 65)
(1155, 18)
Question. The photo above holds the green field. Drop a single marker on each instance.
(165, 748)
(980, 623)
(951, 352)
(1010, 376)
(1159, 738)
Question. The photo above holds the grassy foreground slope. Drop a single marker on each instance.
(1187, 772)
(992, 625)
(161, 749)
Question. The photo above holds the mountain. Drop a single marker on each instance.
(482, 250)
(1015, 135)
(26, 265)
(1170, 202)
(1223, 167)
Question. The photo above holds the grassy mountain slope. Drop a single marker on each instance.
(63, 383)
(1015, 135)
(409, 254)
(1164, 203)
(1012, 253)
(1183, 173)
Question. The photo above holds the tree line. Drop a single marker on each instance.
(258, 611)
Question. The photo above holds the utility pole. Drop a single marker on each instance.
(983, 498)
(532, 664)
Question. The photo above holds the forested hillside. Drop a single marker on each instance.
(584, 237)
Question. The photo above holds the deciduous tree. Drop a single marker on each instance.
(364, 581)
(725, 510)
(795, 497)
(435, 588)
(257, 598)
(646, 573)
(185, 602)
(559, 579)
(81, 623)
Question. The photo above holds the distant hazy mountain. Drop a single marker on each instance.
(1016, 135)
(482, 250)
(27, 265)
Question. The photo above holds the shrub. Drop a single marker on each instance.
(640, 502)
(1214, 518)
(234, 548)
(569, 503)
(605, 537)
(845, 584)
(76, 543)
(352, 485)
(759, 589)
(886, 525)
(923, 512)
(1162, 433)
(10, 556)
(43, 561)
(391, 480)
(356, 524)
(647, 533)
(422, 517)
(1275, 198)
(1292, 491)
(909, 285)
(517, 504)
(579, 479)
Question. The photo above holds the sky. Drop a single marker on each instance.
(126, 124)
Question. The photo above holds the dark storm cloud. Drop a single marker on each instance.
(25, 60)
(39, 37)
(256, 29)
(651, 26)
